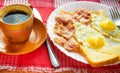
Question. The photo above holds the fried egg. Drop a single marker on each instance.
(106, 26)
(90, 37)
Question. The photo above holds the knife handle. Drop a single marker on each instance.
(53, 58)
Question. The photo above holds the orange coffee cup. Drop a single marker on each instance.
(16, 28)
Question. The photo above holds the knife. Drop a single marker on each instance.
(53, 58)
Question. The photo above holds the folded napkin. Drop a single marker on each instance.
(38, 60)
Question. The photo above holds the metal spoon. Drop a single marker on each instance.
(53, 58)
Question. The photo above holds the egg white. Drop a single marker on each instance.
(112, 36)
(96, 19)
(83, 32)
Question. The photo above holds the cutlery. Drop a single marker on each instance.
(115, 15)
(53, 58)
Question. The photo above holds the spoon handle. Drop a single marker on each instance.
(53, 58)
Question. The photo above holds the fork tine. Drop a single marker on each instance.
(117, 12)
(114, 13)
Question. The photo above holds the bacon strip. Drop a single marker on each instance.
(64, 30)
(71, 45)
(83, 16)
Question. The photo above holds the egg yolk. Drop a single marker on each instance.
(107, 25)
(96, 41)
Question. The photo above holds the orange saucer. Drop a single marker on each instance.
(36, 39)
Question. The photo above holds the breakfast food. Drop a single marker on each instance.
(89, 33)
(96, 59)
(106, 27)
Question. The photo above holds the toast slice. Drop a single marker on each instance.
(96, 59)
(115, 50)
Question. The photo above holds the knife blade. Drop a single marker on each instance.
(53, 58)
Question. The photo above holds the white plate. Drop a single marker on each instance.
(72, 7)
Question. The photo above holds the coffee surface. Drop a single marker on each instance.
(15, 17)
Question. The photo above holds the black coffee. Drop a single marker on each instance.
(15, 17)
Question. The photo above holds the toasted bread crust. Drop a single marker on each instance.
(103, 63)
(115, 50)
(113, 59)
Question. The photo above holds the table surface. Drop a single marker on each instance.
(68, 65)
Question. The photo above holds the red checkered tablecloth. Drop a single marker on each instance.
(38, 60)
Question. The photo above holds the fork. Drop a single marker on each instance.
(115, 15)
